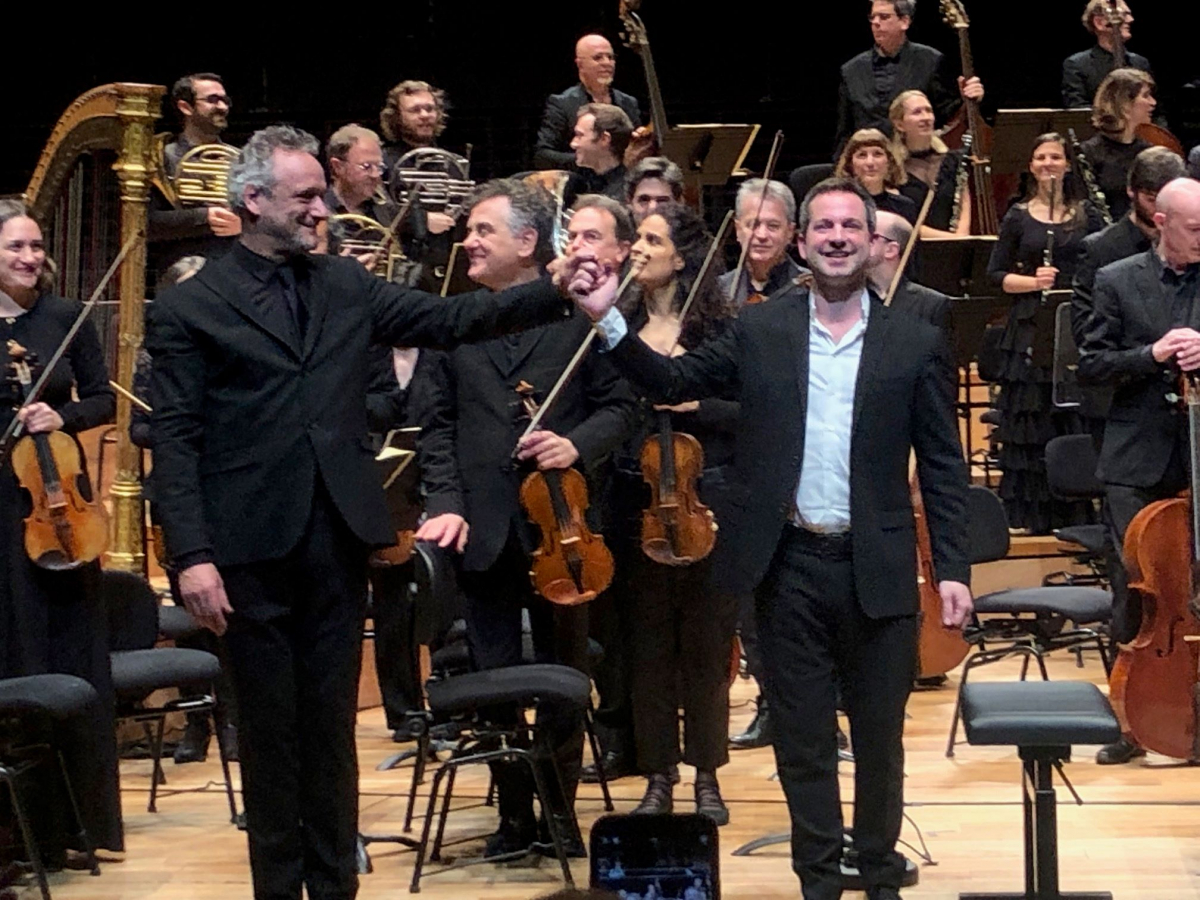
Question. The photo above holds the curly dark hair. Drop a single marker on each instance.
(692, 241)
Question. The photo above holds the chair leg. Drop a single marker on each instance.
(966, 673)
(35, 857)
(435, 853)
(556, 835)
(233, 813)
(423, 846)
(157, 776)
(589, 726)
(418, 777)
(82, 834)
(1041, 661)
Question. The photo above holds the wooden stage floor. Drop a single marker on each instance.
(1138, 833)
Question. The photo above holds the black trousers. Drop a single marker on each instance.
(295, 642)
(610, 624)
(494, 600)
(815, 639)
(397, 661)
(683, 634)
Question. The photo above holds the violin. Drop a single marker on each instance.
(677, 528)
(572, 565)
(939, 649)
(65, 528)
(1153, 684)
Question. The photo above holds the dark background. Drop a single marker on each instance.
(771, 63)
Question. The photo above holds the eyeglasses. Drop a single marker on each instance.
(368, 167)
(214, 99)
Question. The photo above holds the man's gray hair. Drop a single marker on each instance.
(836, 186)
(905, 9)
(343, 140)
(255, 167)
(529, 206)
(750, 194)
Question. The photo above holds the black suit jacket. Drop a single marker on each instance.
(903, 400)
(921, 68)
(552, 150)
(471, 417)
(1082, 73)
(246, 419)
(924, 303)
(1130, 313)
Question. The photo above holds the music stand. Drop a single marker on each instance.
(707, 154)
(1017, 129)
(956, 266)
(1041, 351)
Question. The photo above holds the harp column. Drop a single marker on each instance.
(138, 110)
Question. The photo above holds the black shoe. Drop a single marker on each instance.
(1121, 752)
(227, 737)
(194, 745)
(410, 729)
(883, 893)
(616, 765)
(659, 796)
(572, 841)
(708, 798)
(931, 682)
(758, 734)
(513, 836)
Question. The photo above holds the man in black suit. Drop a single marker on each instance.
(473, 487)
(268, 496)
(1083, 71)
(1142, 331)
(871, 80)
(836, 390)
(596, 63)
(892, 233)
(766, 226)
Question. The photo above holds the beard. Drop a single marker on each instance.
(290, 237)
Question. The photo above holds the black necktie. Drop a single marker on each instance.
(296, 307)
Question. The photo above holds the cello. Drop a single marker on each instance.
(1152, 134)
(1153, 685)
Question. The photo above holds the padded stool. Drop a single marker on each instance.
(1042, 719)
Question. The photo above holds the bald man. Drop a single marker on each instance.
(596, 63)
(892, 233)
(1144, 328)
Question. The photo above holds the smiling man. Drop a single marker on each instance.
(766, 215)
(836, 391)
(268, 495)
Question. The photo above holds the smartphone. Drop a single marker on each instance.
(656, 857)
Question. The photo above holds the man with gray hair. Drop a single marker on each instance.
(267, 492)
(765, 222)
(356, 173)
(652, 181)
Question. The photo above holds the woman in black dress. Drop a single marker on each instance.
(929, 162)
(682, 629)
(1028, 417)
(1124, 100)
(869, 158)
(54, 622)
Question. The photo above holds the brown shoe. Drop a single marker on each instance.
(659, 796)
(708, 798)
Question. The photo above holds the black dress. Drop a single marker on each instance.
(1028, 417)
(1111, 161)
(54, 622)
(941, 210)
(682, 629)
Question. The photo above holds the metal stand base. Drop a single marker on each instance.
(1068, 895)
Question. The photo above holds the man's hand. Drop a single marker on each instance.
(368, 260)
(438, 223)
(39, 418)
(203, 594)
(686, 406)
(1046, 276)
(970, 88)
(1181, 342)
(550, 450)
(590, 284)
(448, 529)
(223, 222)
(956, 603)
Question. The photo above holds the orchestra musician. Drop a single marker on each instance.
(871, 80)
(414, 115)
(892, 233)
(173, 232)
(928, 161)
(602, 132)
(682, 627)
(268, 495)
(54, 621)
(765, 222)
(652, 181)
(356, 171)
(870, 159)
(1017, 266)
(821, 527)
(1124, 100)
(596, 64)
(1143, 330)
(1083, 72)
(472, 489)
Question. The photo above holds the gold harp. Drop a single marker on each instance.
(202, 176)
(109, 129)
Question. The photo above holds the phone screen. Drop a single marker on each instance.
(656, 857)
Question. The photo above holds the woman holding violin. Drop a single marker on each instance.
(683, 631)
(53, 621)
(1037, 251)
(1124, 101)
(929, 162)
(870, 159)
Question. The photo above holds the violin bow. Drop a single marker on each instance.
(908, 248)
(768, 174)
(717, 243)
(14, 427)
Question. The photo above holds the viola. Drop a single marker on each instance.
(939, 649)
(1153, 686)
(572, 565)
(677, 528)
(65, 528)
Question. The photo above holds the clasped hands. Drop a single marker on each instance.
(1180, 344)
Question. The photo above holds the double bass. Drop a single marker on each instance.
(1152, 134)
(1154, 686)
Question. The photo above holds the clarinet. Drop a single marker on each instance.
(1089, 179)
(1048, 253)
(960, 181)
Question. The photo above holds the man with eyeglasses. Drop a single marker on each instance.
(175, 231)
(892, 233)
(356, 174)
